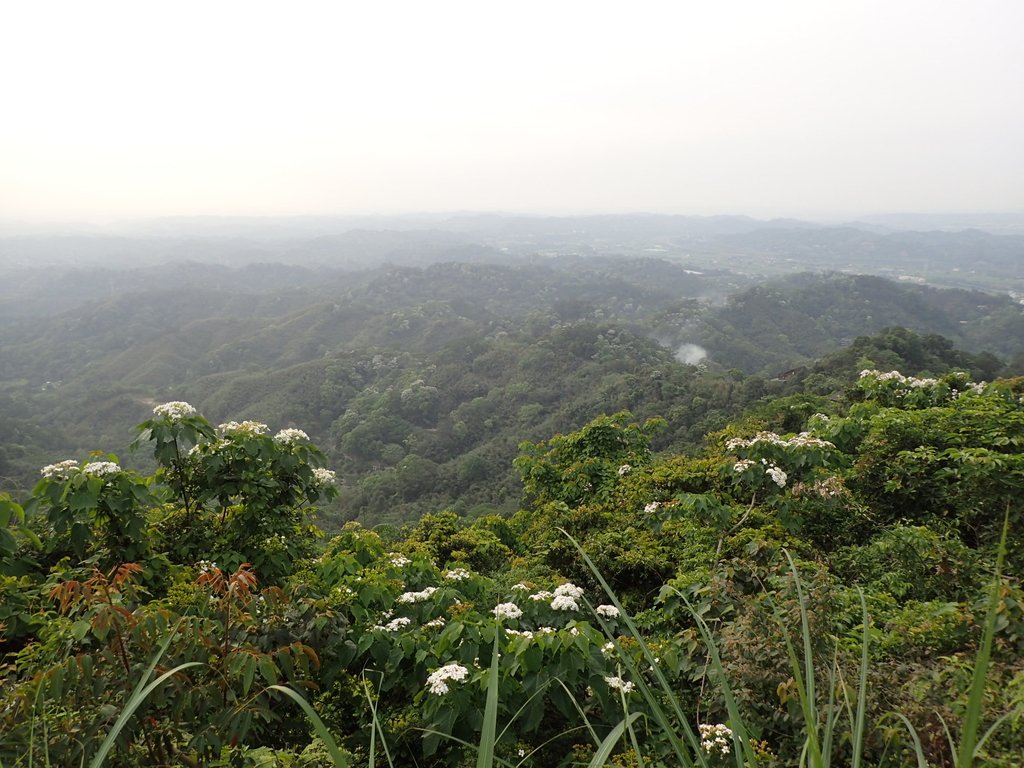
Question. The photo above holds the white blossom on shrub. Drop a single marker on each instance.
(607, 611)
(101, 468)
(399, 561)
(245, 428)
(542, 595)
(323, 476)
(569, 590)
(437, 681)
(457, 574)
(564, 603)
(777, 475)
(507, 611)
(416, 597)
(625, 469)
(394, 625)
(291, 435)
(175, 411)
(618, 684)
(61, 470)
(715, 739)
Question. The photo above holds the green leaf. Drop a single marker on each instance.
(80, 629)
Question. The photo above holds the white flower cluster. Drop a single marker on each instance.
(437, 681)
(520, 633)
(608, 648)
(565, 597)
(174, 411)
(777, 475)
(245, 428)
(435, 623)
(323, 476)
(625, 469)
(569, 590)
(803, 440)
(394, 625)
(206, 566)
(542, 595)
(618, 684)
(520, 587)
(291, 435)
(457, 574)
(507, 611)
(715, 739)
(607, 611)
(399, 561)
(564, 603)
(416, 597)
(651, 508)
(743, 465)
(62, 470)
(910, 381)
(101, 468)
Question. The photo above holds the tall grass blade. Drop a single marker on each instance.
(740, 737)
(488, 733)
(138, 695)
(340, 761)
(134, 701)
(922, 761)
(376, 729)
(862, 682)
(604, 750)
(975, 702)
(805, 681)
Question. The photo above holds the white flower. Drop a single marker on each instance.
(507, 611)
(777, 475)
(715, 738)
(542, 595)
(399, 561)
(435, 623)
(607, 611)
(246, 428)
(569, 590)
(520, 633)
(61, 470)
(743, 465)
(101, 468)
(625, 469)
(416, 597)
(175, 411)
(618, 684)
(437, 681)
(457, 574)
(289, 436)
(564, 603)
(546, 630)
(651, 508)
(520, 588)
(323, 476)
(395, 624)
(206, 566)
(608, 648)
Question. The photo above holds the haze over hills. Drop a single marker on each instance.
(420, 358)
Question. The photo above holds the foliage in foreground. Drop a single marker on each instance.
(640, 610)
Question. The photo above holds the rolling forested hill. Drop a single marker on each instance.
(420, 381)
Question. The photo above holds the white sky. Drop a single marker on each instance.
(765, 107)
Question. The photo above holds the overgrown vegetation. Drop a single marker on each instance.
(823, 568)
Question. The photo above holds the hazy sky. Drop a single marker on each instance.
(815, 108)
